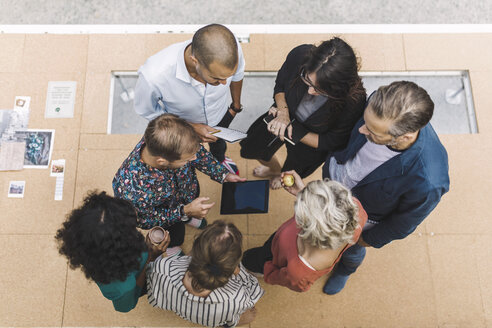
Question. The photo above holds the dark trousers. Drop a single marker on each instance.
(219, 147)
(177, 234)
(254, 259)
(300, 158)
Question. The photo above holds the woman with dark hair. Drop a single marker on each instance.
(102, 239)
(210, 287)
(319, 97)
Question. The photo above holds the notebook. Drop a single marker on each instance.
(229, 135)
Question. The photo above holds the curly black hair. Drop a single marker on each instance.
(101, 238)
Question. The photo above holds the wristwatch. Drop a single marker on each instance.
(236, 110)
(184, 217)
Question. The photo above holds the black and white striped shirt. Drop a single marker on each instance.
(222, 307)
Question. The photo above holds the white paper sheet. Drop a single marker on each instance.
(60, 100)
(229, 135)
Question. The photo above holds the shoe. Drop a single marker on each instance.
(335, 283)
(174, 251)
(197, 223)
(230, 166)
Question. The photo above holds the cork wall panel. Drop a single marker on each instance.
(448, 51)
(51, 53)
(254, 52)
(461, 210)
(33, 281)
(12, 46)
(456, 280)
(122, 52)
(96, 103)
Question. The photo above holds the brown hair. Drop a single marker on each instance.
(215, 43)
(405, 103)
(215, 255)
(170, 137)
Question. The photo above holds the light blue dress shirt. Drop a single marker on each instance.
(165, 86)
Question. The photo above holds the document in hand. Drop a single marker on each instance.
(229, 135)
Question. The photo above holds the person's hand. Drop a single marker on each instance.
(204, 131)
(198, 208)
(157, 250)
(280, 123)
(273, 111)
(248, 316)
(234, 178)
(298, 183)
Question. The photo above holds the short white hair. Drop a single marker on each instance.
(326, 214)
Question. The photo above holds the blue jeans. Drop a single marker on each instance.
(351, 259)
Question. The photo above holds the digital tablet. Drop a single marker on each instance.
(245, 197)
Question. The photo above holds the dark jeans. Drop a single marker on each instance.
(351, 259)
(254, 259)
(219, 147)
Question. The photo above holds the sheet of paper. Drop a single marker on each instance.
(12, 155)
(60, 100)
(59, 187)
(229, 135)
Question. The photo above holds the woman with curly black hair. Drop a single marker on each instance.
(102, 239)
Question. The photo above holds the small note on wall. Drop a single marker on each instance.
(60, 100)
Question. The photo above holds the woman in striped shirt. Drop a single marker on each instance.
(210, 287)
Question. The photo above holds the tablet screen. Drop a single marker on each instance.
(245, 197)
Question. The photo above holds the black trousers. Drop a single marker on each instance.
(219, 147)
(254, 259)
(300, 158)
(177, 234)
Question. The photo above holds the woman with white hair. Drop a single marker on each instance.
(327, 221)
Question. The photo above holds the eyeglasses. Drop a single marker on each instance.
(308, 82)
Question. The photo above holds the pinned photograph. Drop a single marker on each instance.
(39, 147)
(16, 189)
(57, 168)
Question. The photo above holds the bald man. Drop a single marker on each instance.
(191, 79)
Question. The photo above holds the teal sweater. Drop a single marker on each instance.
(125, 294)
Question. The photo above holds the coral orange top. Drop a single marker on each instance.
(286, 268)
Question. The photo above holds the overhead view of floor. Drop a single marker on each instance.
(439, 276)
